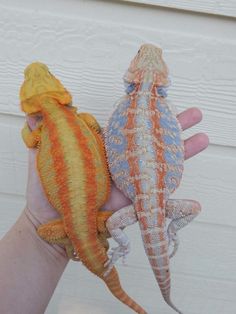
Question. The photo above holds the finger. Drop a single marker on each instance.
(33, 120)
(189, 117)
(195, 144)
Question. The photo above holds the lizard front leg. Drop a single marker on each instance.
(90, 121)
(31, 137)
(181, 213)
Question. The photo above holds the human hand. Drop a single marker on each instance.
(37, 202)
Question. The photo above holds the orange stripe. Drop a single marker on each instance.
(58, 161)
(160, 157)
(90, 183)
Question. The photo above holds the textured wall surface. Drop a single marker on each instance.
(88, 45)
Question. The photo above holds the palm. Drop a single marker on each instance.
(41, 209)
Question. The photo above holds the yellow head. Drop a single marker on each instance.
(148, 66)
(38, 84)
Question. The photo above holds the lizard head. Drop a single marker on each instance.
(38, 84)
(147, 66)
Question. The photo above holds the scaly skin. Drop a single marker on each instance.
(72, 167)
(145, 155)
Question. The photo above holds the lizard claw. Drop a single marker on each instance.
(114, 255)
(75, 256)
(173, 240)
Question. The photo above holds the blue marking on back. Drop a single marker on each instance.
(179, 155)
(167, 120)
(172, 140)
(170, 158)
(149, 125)
(170, 123)
(168, 140)
(161, 108)
(116, 143)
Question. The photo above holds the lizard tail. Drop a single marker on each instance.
(156, 248)
(113, 283)
(93, 255)
(95, 263)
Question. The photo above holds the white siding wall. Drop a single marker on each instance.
(88, 45)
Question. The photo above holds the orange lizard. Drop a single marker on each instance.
(72, 167)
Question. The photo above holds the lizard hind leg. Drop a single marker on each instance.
(181, 213)
(53, 232)
(115, 224)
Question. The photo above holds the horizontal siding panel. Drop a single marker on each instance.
(203, 68)
(115, 12)
(221, 7)
(208, 179)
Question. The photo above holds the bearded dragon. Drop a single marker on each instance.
(146, 155)
(71, 164)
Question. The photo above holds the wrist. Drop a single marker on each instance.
(33, 224)
(30, 268)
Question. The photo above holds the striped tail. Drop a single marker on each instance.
(156, 247)
(93, 256)
(113, 283)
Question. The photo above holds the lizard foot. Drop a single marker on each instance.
(115, 254)
(173, 240)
